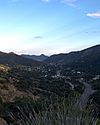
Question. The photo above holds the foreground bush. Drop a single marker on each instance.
(58, 112)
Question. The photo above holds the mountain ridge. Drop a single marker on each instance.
(87, 60)
(13, 59)
(89, 55)
(39, 58)
(56, 58)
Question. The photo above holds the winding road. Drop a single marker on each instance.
(85, 96)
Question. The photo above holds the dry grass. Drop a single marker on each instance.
(63, 113)
(8, 92)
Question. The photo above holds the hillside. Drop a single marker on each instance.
(14, 59)
(88, 58)
(40, 58)
(76, 74)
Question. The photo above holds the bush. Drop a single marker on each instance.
(3, 80)
(59, 112)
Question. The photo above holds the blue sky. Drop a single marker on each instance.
(48, 26)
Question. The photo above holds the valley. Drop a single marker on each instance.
(25, 81)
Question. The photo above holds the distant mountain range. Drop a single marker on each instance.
(14, 59)
(88, 54)
(40, 58)
(87, 59)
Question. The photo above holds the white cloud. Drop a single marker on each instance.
(46, 1)
(94, 15)
(70, 2)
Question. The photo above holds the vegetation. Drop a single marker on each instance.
(39, 94)
(59, 112)
(96, 84)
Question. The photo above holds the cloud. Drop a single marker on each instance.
(70, 2)
(46, 1)
(38, 37)
(94, 15)
(93, 32)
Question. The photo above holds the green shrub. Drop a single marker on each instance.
(59, 112)
(2, 80)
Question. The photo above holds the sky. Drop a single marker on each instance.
(48, 26)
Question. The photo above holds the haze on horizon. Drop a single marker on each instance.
(48, 26)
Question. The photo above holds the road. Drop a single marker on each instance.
(85, 96)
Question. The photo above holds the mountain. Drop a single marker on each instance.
(13, 59)
(85, 59)
(84, 55)
(40, 58)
